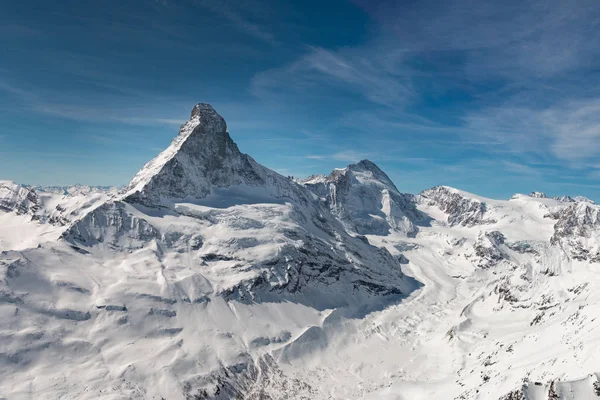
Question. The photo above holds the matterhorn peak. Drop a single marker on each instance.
(208, 118)
(201, 161)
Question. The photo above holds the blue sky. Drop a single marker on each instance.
(490, 97)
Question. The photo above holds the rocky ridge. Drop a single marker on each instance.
(461, 209)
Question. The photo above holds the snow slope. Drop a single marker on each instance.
(213, 277)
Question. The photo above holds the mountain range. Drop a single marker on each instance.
(211, 276)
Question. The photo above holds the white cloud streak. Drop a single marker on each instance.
(378, 76)
(118, 108)
(344, 156)
(568, 131)
(513, 38)
(245, 17)
(526, 65)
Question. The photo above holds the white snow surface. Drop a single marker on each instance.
(212, 277)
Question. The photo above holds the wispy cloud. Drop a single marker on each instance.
(526, 67)
(520, 169)
(248, 16)
(19, 30)
(345, 156)
(127, 115)
(118, 108)
(513, 38)
(469, 41)
(568, 131)
(380, 77)
(16, 91)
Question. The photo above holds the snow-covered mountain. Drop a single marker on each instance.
(32, 215)
(17, 198)
(203, 162)
(364, 198)
(211, 276)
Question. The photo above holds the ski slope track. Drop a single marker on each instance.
(211, 276)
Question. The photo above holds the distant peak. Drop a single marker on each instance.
(365, 165)
(209, 118)
(583, 199)
(374, 170)
(538, 195)
(565, 199)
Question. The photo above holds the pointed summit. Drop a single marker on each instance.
(375, 172)
(202, 161)
(208, 118)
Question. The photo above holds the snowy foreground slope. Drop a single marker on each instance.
(213, 277)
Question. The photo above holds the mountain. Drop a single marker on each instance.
(203, 168)
(538, 195)
(364, 198)
(211, 276)
(203, 162)
(17, 198)
(74, 190)
(577, 231)
(32, 215)
(565, 199)
(204, 244)
(569, 199)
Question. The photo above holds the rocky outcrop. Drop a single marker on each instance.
(18, 198)
(487, 250)
(113, 224)
(577, 231)
(460, 209)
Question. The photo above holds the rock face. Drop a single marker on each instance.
(461, 210)
(577, 231)
(17, 198)
(201, 160)
(364, 198)
(487, 250)
(110, 223)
